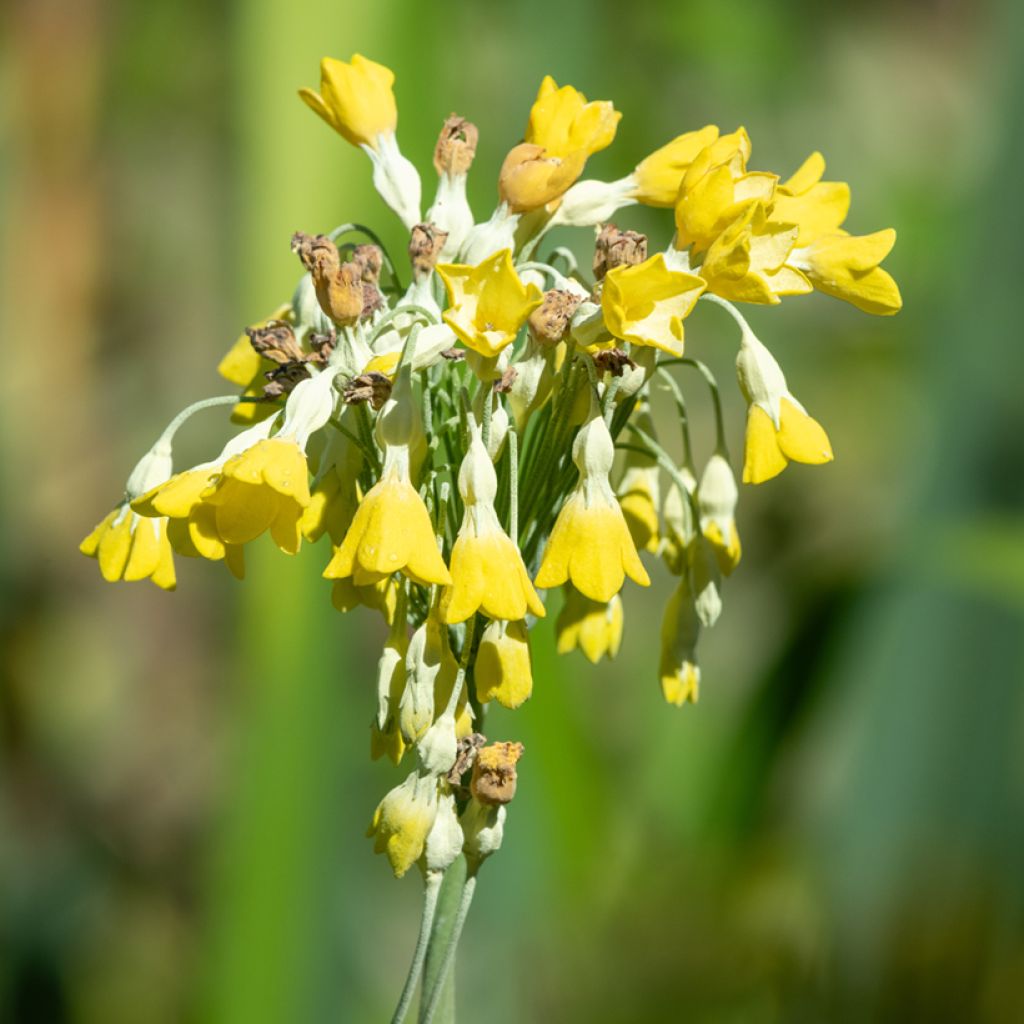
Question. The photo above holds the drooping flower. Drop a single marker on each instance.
(647, 303)
(590, 543)
(391, 530)
(680, 629)
(403, 820)
(385, 735)
(592, 627)
(488, 303)
(503, 671)
(779, 430)
(488, 574)
(717, 495)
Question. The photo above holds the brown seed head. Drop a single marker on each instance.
(615, 248)
(372, 387)
(549, 322)
(425, 245)
(456, 146)
(494, 773)
(315, 250)
(613, 361)
(276, 341)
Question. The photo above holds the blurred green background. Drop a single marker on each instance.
(834, 833)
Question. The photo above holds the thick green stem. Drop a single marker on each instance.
(433, 995)
(445, 917)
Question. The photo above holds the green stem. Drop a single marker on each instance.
(444, 921)
(433, 997)
(431, 889)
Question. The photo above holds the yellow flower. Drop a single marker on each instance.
(390, 532)
(659, 175)
(563, 122)
(192, 522)
(593, 627)
(503, 670)
(716, 499)
(130, 548)
(378, 593)
(562, 132)
(816, 207)
(334, 497)
(779, 429)
(385, 734)
(638, 489)
(264, 487)
(645, 304)
(355, 99)
(680, 629)
(716, 189)
(402, 820)
(590, 542)
(488, 573)
(488, 303)
(847, 267)
(680, 531)
(746, 263)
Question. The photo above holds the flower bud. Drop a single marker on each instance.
(403, 820)
(445, 839)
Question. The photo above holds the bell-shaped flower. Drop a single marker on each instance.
(391, 530)
(430, 671)
(487, 570)
(657, 177)
(680, 630)
(779, 430)
(503, 671)
(129, 547)
(590, 544)
(357, 100)
(717, 495)
(639, 489)
(680, 523)
(445, 839)
(333, 496)
(488, 303)
(403, 820)
(848, 267)
(646, 304)
(593, 627)
(748, 261)
(266, 486)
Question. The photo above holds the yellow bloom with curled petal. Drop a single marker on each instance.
(847, 267)
(646, 304)
(593, 627)
(488, 303)
(680, 629)
(816, 207)
(716, 189)
(402, 820)
(131, 548)
(488, 574)
(747, 262)
(779, 430)
(356, 99)
(503, 671)
(563, 122)
(529, 178)
(590, 543)
(265, 487)
(659, 175)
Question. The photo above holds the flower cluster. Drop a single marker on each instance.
(485, 435)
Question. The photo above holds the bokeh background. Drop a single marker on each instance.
(834, 833)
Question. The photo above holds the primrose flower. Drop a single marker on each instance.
(680, 630)
(816, 207)
(488, 574)
(357, 100)
(646, 304)
(128, 547)
(391, 530)
(403, 820)
(593, 627)
(590, 542)
(717, 495)
(659, 175)
(488, 303)
(779, 429)
(503, 670)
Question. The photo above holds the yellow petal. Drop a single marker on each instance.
(801, 438)
(503, 672)
(115, 545)
(763, 458)
(91, 544)
(659, 175)
(356, 99)
(144, 555)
